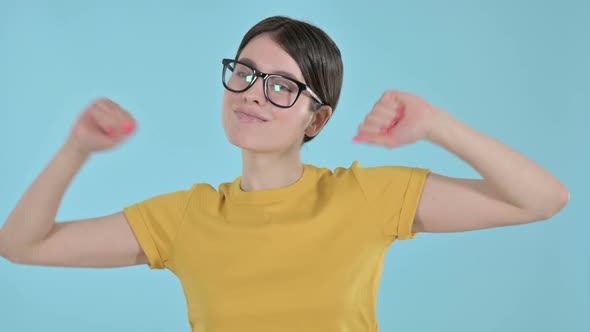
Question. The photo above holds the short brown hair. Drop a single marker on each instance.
(312, 49)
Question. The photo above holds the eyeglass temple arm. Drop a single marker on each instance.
(318, 99)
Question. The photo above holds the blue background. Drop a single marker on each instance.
(515, 70)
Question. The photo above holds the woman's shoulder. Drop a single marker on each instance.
(357, 172)
(355, 166)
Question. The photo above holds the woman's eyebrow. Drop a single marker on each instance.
(280, 72)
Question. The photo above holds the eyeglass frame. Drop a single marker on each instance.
(257, 73)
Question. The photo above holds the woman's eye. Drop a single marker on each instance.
(245, 75)
(281, 88)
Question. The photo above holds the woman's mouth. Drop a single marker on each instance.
(249, 117)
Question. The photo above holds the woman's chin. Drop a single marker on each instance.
(251, 144)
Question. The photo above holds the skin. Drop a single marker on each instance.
(270, 163)
(397, 119)
(513, 189)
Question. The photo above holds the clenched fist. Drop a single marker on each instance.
(101, 126)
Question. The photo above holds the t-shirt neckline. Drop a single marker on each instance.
(237, 195)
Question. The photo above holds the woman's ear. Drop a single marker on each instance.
(318, 120)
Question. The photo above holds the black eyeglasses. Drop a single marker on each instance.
(284, 91)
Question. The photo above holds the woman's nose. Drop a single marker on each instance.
(255, 94)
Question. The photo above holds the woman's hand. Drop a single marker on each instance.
(101, 126)
(397, 119)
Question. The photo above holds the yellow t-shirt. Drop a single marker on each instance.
(306, 257)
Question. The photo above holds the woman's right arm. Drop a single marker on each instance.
(31, 236)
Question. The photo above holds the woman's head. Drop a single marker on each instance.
(293, 49)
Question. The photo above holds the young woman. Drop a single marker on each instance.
(286, 246)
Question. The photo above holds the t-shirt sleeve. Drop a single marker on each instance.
(155, 222)
(393, 194)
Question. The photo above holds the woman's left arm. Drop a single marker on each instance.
(514, 189)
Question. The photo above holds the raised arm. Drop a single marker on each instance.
(514, 190)
(31, 236)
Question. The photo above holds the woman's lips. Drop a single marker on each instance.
(248, 117)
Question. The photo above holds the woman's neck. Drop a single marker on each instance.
(265, 171)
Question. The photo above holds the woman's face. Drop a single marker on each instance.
(280, 128)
